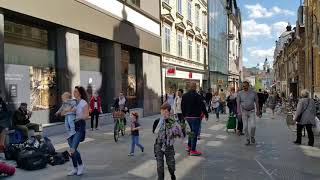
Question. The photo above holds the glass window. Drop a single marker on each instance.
(189, 11)
(179, 44)
(197, 17)
(179, 6)
(135, 2)
(89, 56)
(30, 72)
(190, 48)
(167, 34)
(198, 52)
(205, 55)
(204, 23)
(128, 71)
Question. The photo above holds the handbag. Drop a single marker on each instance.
(300, 115)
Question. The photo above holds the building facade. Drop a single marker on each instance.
(218, 44)
(234, 44)
(184, 43)
(312, 44)
(105, 46)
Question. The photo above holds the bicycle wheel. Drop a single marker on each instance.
(123, 128)
(116, 131)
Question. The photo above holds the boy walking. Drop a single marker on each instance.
(167, 130)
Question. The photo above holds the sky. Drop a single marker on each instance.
(263, 21)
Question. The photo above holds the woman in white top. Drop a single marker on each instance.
(82, 113)
(216, 104)
(177, 106)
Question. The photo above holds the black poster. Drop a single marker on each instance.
(13, 90)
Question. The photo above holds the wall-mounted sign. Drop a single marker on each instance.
(171, 71)
(13, 90)
(190, 75)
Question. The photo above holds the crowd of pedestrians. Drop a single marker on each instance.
(178, 109)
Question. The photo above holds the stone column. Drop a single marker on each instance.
(68, 60)
(2, 69)
(110, 69)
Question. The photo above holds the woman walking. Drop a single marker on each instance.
(305, 117)
(216, 104)
(272, 102)
(177, 107)
(95, 109)
(82, 113)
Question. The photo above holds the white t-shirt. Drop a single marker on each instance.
(80, 113)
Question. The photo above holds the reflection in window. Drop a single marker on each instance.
(89, 56)
(189, 10)
(29, 55)
(128, 72)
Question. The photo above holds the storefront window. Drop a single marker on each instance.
(129, 80)
(29, 66)
(175, 84)
(90, 62)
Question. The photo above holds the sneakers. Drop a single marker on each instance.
(253, 140)
(248, 142)
(73, 172)
(195, 153)
(80, 170)
(130, 154)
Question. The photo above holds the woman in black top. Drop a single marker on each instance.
(135, 126)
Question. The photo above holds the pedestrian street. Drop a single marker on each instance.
(224, 155)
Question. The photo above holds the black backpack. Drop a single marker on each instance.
(11, 151)
(31, 160)
(46, 146)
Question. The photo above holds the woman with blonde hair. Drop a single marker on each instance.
(305, 117)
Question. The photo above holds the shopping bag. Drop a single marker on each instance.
(316, 129)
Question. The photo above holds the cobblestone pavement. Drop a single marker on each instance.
(225, 156)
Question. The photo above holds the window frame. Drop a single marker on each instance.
(189, 12)
(190, 44)
(198, 51)
(167, 38)
(180, 44)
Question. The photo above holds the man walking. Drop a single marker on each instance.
(192, 106)
(246, 101)
(261, 100)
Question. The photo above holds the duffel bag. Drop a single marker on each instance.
(12, 151)
(31, 160)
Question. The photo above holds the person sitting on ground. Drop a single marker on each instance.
(21, 120)
(69, 112)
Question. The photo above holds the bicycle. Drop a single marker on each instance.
(119, 126)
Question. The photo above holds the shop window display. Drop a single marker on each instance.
(29, 66)
(129, 79)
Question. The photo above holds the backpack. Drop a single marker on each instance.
(46, 146)
(11, 151)
(31, 160)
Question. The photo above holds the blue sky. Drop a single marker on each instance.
(262, 23)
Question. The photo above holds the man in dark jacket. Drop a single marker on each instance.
(192, 107)
(21, 120)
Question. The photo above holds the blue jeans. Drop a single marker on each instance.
(194, 124)
(74, 141)
(69, 123)
(134, 142)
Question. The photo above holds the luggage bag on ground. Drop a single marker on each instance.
(31, 160)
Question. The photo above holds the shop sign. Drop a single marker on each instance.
(190, 75)
(171, 71)
(182, 63)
